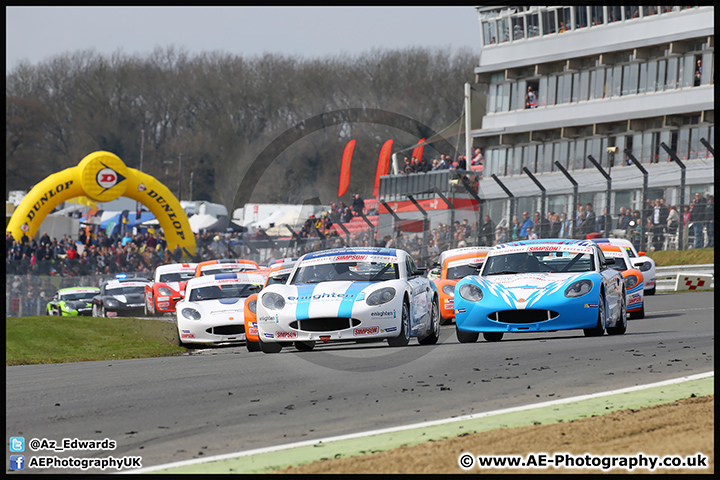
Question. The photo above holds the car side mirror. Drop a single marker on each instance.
(176, 299)
(609, 261)
(421, 271)
(476, 265)
(640, 254)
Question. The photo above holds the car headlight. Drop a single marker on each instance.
(190, 313)
(164, 291)
(273, 301)
(252, 306)
(378, 297)
(644, 266)
(449, 290)
(579, 288)
(470, 292)
(630, 282)
(111, 302)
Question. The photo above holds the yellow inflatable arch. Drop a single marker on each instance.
(103, 177)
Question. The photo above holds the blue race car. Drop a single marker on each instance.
(539, 286)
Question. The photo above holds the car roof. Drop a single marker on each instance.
(464, 252)
(116, 282)
(359, 251)
(224, 278)
(176, 267)
(79, 289)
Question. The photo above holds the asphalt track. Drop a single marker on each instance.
(222, 401)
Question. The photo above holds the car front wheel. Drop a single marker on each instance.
(599, 328)
(434, 335)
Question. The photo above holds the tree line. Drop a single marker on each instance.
(213, 114)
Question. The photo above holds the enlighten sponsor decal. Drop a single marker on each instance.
(320, 296)
(362, 331)
(384, 313)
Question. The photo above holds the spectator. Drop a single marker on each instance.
(514, 234)
(673, 220)
(177, 253)
(697, 218)
(462, 163)
(531, 234)
(698, 73)
(588, 225)
(600, 222)
(565, 226)
(358, 204)
(624, 218)
(501, 235)
(710, 220)
(555, 225)
(531, 100)
(686, 215)
(659, 219)
(488, 230)
(527, 224)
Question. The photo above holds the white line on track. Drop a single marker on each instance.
(473, 416)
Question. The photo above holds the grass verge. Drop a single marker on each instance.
(38, 340)
(701, 256)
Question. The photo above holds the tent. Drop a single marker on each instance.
(206, 222)
(291, 218)
(112, 224)
(265, 222)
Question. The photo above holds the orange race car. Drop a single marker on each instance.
(632, 277)
(455, 264)
(212, 267)
(277, 273)
(169, 283)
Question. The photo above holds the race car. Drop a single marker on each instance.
(454, 265)
(169, 282)
(212, 267)
(71, 302)
(123, 296)
(212, 310)
(632, 277)
(639, 260)
(349, 294)
(539, 286)
(278, 273)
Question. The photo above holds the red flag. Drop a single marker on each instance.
(345, 169)
(383, 165)
(417, 152)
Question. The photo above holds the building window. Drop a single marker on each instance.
(582, 94)
(518, 26)
(632, 12)
(661, 66)
(597, 15)
(643, 78)
(532, 25)
(581, 17)
(564, 20)
(617, 80)
(489, 33)
(651, 75)
(542, 91)
(552, 85)
(672, 73)
(503, 29)
(549, 22)
(707, 76)
(614, 14)
(649, 11)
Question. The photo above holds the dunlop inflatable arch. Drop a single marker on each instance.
(103, 177)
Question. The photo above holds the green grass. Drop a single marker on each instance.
(683, 257)
(37, 340)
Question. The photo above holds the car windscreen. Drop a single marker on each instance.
(277, 279)
(228, 290)
(353, 271)
(619, 264)
(538, 262)
(217, 270)
(72, 297)
(125, 290)
(461, 271)
(176, 277)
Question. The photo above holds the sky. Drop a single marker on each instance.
(36, 34)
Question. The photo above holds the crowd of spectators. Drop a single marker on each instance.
(445, 162)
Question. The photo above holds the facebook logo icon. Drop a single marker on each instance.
(17, 462)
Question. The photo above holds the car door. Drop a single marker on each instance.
(612, 280)
(421, 295)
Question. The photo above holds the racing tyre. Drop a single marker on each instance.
(621, 326)
(599, 329)
(404, 337)
(252, 346)
(95, 311)
(434, 335)
(49, 312)
(492, 336)
(639, 314)
(102, 311)
(305, 346)
(267, 347)
(466, 337)
(650, 292)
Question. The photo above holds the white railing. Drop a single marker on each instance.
(667, 276)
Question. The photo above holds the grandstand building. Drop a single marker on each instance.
(632, 77)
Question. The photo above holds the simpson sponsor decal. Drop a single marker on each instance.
(286, 334)
(362, 331)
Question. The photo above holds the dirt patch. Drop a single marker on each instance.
(683, 428)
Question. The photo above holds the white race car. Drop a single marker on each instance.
(349, 294)
(213, 308)
(639, 260)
